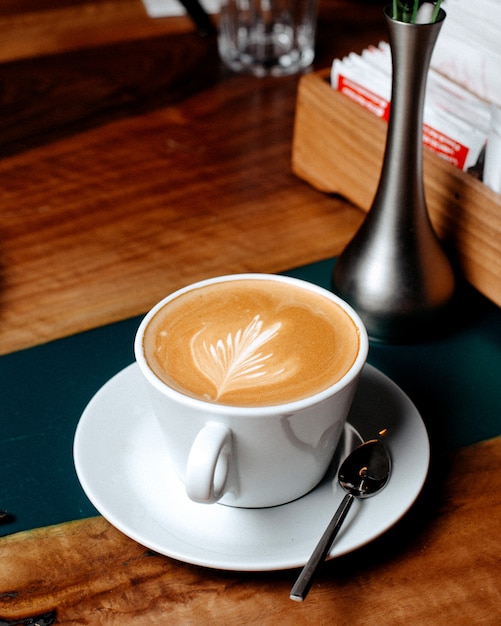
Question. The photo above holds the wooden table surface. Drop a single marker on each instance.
(134, 167)
(133, 163)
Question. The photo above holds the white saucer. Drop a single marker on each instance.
(122, 466)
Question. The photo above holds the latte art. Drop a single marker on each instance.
(250, 342)
(237, 362)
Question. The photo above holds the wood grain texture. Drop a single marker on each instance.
(440, 566)
(117, 188)
(74, 88)
(101, 226)
(338, 148)
(31, 28)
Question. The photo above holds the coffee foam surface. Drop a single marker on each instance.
(251, 343)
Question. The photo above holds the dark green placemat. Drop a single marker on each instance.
(454, 381)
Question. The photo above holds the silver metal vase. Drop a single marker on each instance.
(394, 272)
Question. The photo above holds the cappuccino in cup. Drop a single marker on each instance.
(251, 342)
(251, 378)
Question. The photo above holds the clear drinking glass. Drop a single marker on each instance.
(267, 36)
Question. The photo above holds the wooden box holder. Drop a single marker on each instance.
(338, 148)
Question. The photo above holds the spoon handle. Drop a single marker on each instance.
(302, 585)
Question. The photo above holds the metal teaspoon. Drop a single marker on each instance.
(362, 474)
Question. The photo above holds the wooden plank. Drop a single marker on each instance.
(99, 226)
(439, 566)
(132, 167)
(338, 148)
(53, 96)
(33, 29)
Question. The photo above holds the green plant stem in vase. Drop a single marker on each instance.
(407, 10)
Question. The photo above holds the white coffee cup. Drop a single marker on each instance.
(233, 452)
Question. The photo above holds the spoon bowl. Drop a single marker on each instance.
(362, 474)
(366, 470)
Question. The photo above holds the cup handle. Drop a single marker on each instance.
(208, 463)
